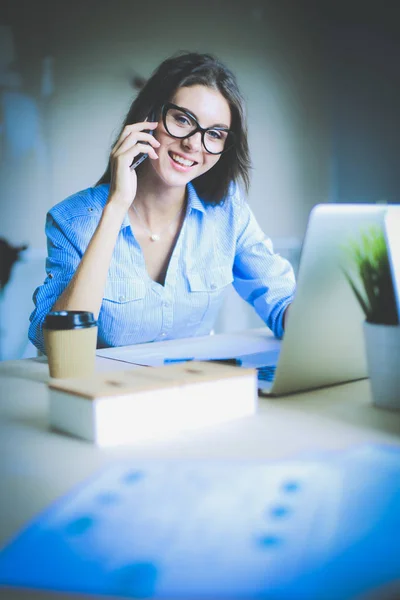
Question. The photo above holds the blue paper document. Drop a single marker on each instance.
(315, 528)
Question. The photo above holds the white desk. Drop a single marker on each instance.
(38, 465)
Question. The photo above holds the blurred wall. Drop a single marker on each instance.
(96, 47)
(363, 59)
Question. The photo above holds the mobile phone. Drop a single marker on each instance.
(141, 157)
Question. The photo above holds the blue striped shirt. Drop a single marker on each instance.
(217, 246)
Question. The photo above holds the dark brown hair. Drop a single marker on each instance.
(184, 70)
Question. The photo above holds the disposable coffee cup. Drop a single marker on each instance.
(70, 338)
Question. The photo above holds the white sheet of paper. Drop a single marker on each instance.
(198, 348)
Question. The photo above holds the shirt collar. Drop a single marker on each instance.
(194, 201)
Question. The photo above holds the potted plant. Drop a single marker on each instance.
(369, 274)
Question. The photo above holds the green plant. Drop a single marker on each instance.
(370, 276)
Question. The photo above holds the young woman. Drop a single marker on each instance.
(150, 250)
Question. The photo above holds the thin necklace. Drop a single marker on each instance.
(155, 237)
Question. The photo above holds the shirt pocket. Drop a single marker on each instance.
(210, 280)
(207, 287)
(122, 311)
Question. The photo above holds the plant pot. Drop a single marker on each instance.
(383, 359)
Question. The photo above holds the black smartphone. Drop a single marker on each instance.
(141, 157)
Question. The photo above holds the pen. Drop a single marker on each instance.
(169, 361)
(235, 362)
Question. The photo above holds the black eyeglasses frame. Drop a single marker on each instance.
(231, 135)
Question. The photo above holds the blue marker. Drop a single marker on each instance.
(223, 361)
(170, 361)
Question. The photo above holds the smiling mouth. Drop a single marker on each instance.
(184, 162)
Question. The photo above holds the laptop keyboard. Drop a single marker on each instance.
(264, 362)
(266, 373)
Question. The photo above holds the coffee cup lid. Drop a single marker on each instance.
(69, 319)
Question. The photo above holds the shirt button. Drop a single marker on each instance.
(50, 275)
(122, 298)
(166, 304)
(90, 209)
(213, 286)
(163, 334)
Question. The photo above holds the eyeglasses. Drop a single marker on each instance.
(180, 123)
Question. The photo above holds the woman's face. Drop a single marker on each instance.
(211, 109)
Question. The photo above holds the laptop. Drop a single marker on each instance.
(324, 342)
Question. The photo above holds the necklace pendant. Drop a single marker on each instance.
(154, 237)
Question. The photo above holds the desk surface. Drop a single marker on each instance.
(38, 465)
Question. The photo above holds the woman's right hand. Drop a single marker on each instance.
(130, 144)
